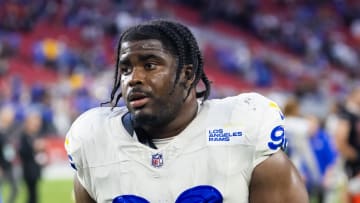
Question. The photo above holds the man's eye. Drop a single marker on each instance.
(125, 70)
(149, 66)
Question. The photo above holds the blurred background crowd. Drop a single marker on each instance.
(57, 60)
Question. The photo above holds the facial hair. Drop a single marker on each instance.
(163, 117)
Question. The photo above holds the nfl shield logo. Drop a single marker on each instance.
(157, 160)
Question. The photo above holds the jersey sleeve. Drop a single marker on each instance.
(73, 149)
(74, 146)
(271, 135)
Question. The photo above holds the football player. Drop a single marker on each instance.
(170, 143)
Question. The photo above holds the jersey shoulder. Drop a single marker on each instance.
(260, 105)
(91, 119)
(253, 100)
(253, 106)
(259, 118)
(90, 126)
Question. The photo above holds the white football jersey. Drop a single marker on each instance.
(213, 157)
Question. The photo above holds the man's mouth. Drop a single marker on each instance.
(138, 100)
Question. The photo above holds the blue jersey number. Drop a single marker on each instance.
(278, 138)
(198, 194)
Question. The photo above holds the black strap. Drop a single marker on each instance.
(141, 134)
(126, 120)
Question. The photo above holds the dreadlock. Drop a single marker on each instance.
(175, 37)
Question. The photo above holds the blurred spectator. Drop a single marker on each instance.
(62, 115)
(310, 148)
(9, 44)
(40, 97)
(348, 132)
(355, 30)
(262, 73)
(324, 151)
(299, 129)
(336, 179)
(8, 139)
(51, 52)
(83, 101)
(348, 138)
(30, 150)
(342, 54)
(228, 60)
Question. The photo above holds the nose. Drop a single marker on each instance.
(137, 76)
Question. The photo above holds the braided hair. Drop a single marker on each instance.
(181, 43)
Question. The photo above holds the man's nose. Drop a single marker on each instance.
(137, 76)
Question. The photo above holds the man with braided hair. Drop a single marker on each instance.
(171, 144)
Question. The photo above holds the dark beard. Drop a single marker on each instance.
(153, 121)
(145, 120)
(162, 114)
(140, 122)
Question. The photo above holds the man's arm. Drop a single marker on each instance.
(81, 195)
(277, 180)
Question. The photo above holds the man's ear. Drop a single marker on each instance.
(188, 72)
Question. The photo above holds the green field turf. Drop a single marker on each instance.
(54, 191)
(50, 191)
